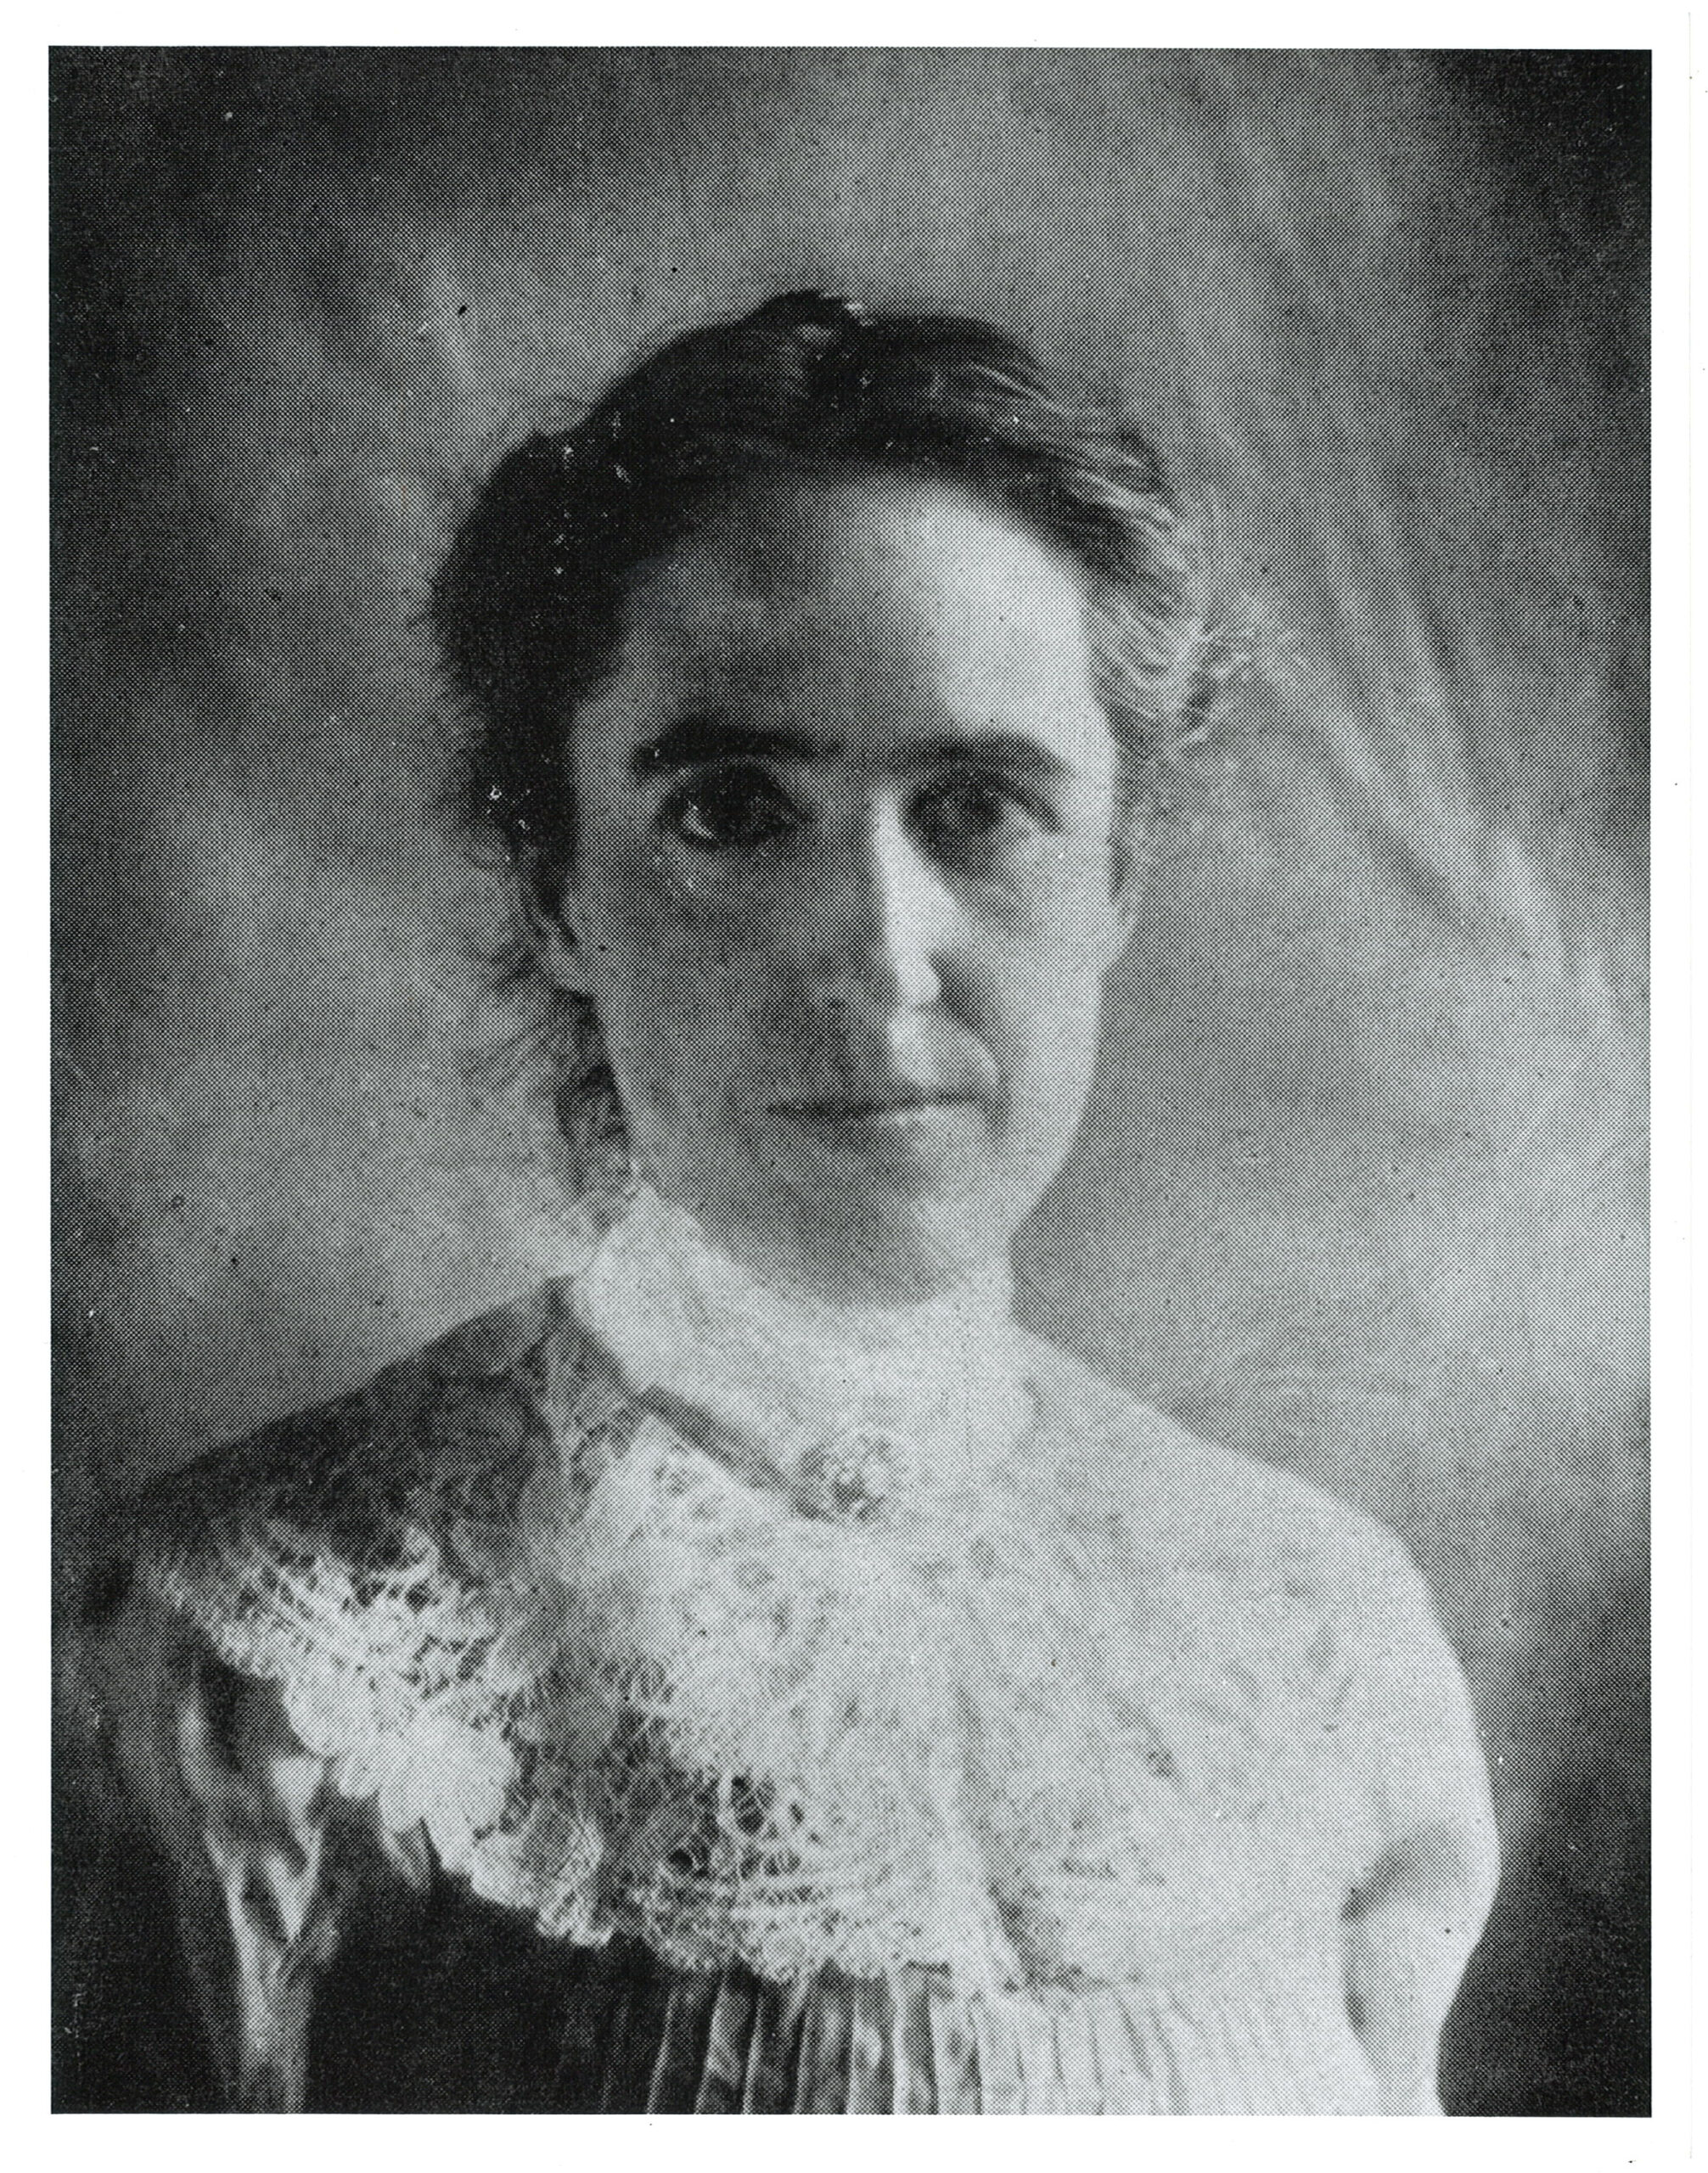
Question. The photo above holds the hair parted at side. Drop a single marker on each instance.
(528, 608)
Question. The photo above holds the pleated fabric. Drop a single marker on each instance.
(822, 1735)
(1268, 2035)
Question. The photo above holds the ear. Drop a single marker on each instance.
(1127, 881)
(558, 950)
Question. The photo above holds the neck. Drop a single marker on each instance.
(801, 1253)
(783, 1365)
(855, 1284)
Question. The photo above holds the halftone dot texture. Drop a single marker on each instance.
(1361, 1193)
(960, 1682)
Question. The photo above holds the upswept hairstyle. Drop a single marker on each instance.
(529, 607)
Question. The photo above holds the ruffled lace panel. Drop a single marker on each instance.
(632, 1680)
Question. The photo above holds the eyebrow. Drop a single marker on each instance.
(697, 740)
(997, 751)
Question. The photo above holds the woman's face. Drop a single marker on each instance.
(845, 894)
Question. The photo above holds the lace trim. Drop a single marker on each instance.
(849, 1408)
(689, 1725)
(630, 1683)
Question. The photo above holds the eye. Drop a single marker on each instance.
(731, 809)
(979, 808)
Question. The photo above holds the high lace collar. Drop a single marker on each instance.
(850, 1407)
(816, 1639)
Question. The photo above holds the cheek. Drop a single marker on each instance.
(1042, 1014)
(672, 984)
(1041, 981)
(1052, 1045)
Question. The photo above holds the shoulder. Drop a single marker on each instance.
(396, 1506)
(448, 1431)
(1261, 1611)
(1190, 1501)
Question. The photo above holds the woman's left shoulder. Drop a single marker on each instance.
(1199, 1505)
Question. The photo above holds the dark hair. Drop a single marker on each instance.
(529, 607)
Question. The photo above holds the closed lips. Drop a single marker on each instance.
(842, 1108)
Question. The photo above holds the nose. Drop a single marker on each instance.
(888, 920)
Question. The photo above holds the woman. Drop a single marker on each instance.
(753, 1674)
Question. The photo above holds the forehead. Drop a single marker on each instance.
(884, 605)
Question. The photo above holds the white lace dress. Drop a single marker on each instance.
(770, 1708)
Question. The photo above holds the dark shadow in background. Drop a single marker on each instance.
(1554, 2016)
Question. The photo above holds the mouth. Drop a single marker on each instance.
(855, 1110)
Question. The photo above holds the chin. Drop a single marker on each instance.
(872, 1247)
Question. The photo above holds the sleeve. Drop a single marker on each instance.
(1426, 1771)
(1417, 1908)
(215, 1811)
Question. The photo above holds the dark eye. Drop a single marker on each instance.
(977, 808)
(728, 810)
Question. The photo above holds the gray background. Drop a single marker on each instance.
(1363, 1190)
